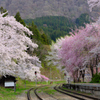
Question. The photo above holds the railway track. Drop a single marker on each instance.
(40, 96)
(73, 95)
(28, 94)
(79, 96)
(44, 95)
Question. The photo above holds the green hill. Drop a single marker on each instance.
(57, 26)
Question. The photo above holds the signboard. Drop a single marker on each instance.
(9, 84)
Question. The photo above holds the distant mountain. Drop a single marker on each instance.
(38, 8)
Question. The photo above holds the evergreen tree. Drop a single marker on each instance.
(2, 10)
(82, 20)
(34, 29)
(59, 26)
(44, 39)
(19, 19)
(38, 36)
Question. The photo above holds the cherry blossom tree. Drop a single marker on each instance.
(93, 3)
(78, 50)
(53, 57)
(14, 60)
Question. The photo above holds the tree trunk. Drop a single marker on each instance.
(96, 70)
(83, 74)
(92, 72)
(91, 68)
(83, 78)
(96, 64)
(80, 74)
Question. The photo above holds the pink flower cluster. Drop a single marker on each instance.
(44, 77)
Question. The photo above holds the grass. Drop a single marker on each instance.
(9, 94)
(47, 90)
(58, 82)
(49, 82)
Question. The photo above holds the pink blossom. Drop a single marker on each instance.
(85, 43)
(44, 77)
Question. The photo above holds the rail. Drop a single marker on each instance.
(28, 94)
(86, 87)
(75, 94)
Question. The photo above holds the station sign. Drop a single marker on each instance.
(9, 84)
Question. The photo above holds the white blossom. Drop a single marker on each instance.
(93, 3)
(53, 57)
(14, 59)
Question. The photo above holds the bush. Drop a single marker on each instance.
(96, 78)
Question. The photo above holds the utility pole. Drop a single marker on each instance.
(50, 73)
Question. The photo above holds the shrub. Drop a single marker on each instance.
(96, 78)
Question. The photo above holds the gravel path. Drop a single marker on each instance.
(57, 95)
(22, 96)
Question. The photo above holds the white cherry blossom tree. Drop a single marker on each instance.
(93, 3)
(14, 60)
(53, 57)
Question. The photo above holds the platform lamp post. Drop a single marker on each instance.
(65, 75)
(50, 73)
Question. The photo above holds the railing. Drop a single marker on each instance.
(85, 87)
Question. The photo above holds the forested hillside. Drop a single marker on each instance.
(38, 8)
(57, 26)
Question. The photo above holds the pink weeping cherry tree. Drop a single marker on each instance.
(81, 49)
(14, 60)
